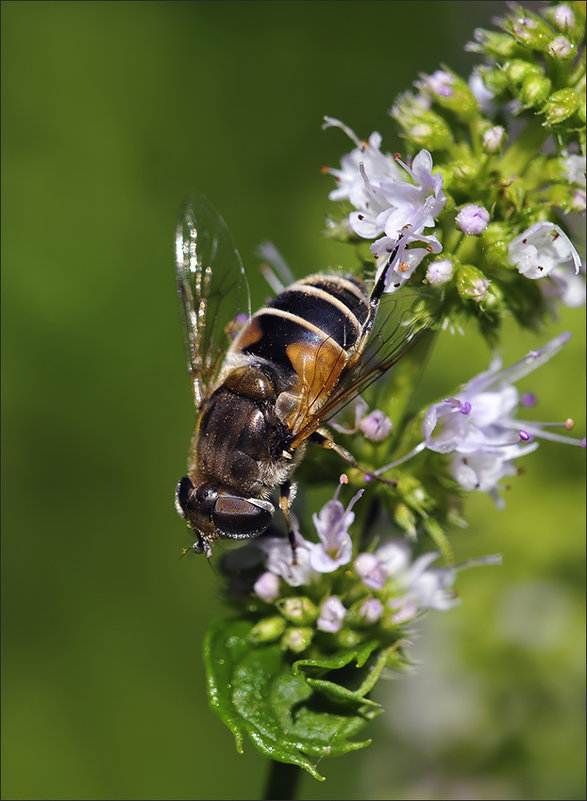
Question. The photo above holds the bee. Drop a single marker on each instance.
(264, 390)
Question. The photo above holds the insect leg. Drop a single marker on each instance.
(330, 444)
(375, 298)
(286, 496)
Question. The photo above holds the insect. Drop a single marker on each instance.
(264, 390)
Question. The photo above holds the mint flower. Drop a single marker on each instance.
(332, 524)
(332, 615)
(541, 248)
(478, 427)
(279, 559)
(563, 285)
(375, 425)
(379, 166)
(389, 205)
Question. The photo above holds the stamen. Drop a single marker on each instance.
(414, 452)
(524, 435)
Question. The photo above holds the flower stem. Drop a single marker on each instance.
(282, 781)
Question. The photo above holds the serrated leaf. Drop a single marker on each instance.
(255, 690)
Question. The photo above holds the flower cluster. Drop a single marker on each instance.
(497, 160)
(327, 587)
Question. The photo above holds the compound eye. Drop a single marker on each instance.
(183, 494)
(241, 518)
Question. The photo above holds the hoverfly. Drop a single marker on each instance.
(291, 367)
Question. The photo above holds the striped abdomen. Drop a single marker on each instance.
(309, 331)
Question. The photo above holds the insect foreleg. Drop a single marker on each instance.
(327, 442)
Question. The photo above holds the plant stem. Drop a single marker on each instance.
(282, 781)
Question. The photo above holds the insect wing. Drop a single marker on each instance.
(401, 322)
(212, 288)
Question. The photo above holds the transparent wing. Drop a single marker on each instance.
(401, 322)
(212, 288)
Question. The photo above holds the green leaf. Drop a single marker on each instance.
(290, 716)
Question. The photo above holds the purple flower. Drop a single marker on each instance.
(439, 83)
(563, 16)
(332, 614)
(371, 570)
(371, 610)
(479, 427)
(335, 547)
(376, 426)
(472, 219)
(390, 208)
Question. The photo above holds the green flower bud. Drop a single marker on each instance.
(460, 175)
(267, 630)
(297, 640)
(529, 29)
(472, 283)
(496, 81)
(560, 106)
(429, 130)
(299, 610)
(347, 638)
(494, 44)
(518, 70)
(535, 90)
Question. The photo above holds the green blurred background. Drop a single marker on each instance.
(111, 114)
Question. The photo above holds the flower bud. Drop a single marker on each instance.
(517, 70)
(560, 106)
(450, 92)
(429, 131)
(472, 219)
(496, 81)
(439, 272)
(492, 43)
(347, 638)
(267, 587)
(297, 640)
(561, 49)
(534, 91)
(530, 30)
(376, 426)
(299, 610)
(563, 17)
(268, 629)
(472, 283)
(493, 138)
